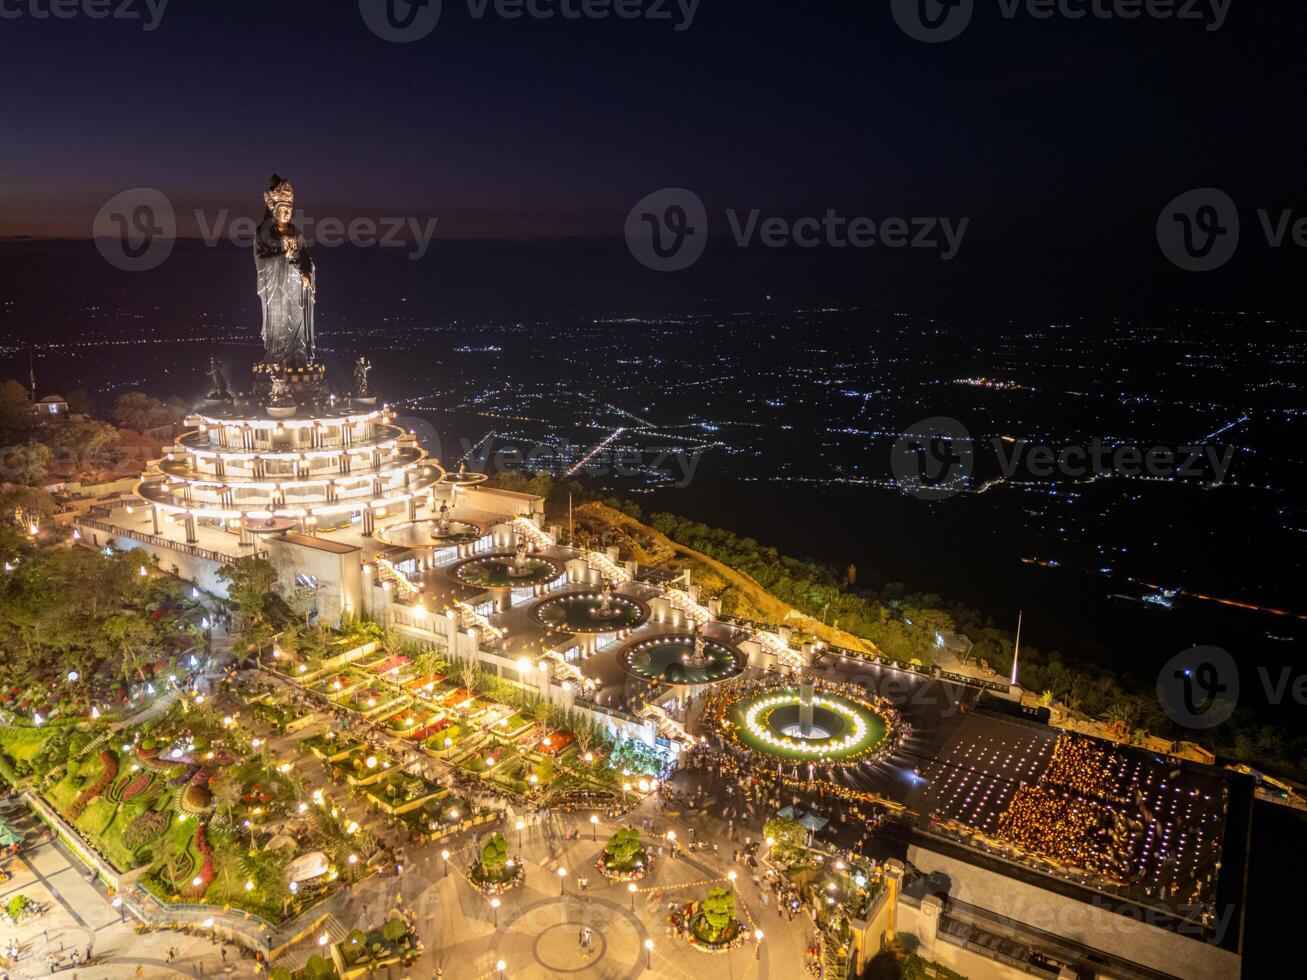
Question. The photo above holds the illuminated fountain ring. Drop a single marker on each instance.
(580, 613)
(664, 659)
(496, 572)
(768, 725)
(426, 534)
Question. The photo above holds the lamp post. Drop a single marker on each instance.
(521, 825)
(499, 967)
(648, 954)
(562, 878)
(494, 905)
(445, 857)
(632, 889)
(594, 826)
(757, 938)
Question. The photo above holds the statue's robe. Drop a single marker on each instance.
(287, 304)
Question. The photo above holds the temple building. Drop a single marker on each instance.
(1020, 846)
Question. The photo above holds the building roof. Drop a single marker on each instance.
(320, 544)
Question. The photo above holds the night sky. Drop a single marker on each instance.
(1048, 130)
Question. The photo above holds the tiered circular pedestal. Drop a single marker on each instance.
(249, 468)
(427, 534)
(669, 660)
(497, 571)
(582, 613)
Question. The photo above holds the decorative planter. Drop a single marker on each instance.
(738, 939)
(517, 878)
(634, 875)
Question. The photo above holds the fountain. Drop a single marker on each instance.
(682, 658)
(606, 609)
(519, 568)
(805, 708)
(697, 657)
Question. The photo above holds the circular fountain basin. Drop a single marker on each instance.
(843, 728)
(496, 571)
(665, 659)
(581, 613)
(427, 534)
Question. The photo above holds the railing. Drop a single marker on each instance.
(161, 542)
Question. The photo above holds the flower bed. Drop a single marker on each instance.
(368, 952)
(205, 873)
(110, 763)
(337, 685)
(406, 723)
(391, 665)
(553, 743)
(145, 828)
(734, 937)
(399, 794)
(331, 747)
(424, 684)
(512, 726)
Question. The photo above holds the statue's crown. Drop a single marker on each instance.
(279, 191)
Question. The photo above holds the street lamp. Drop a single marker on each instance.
(521, 825)
(562, 877)
(494, 904)
(731, 876)
(757, 938)
(500, 967)
(594, 826)
(445, 857)
(648, 954)
(632, 889)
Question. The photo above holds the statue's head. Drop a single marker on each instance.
(280, 199)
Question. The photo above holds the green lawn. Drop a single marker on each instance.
(21, 744)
